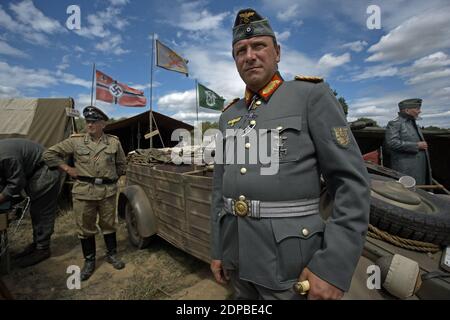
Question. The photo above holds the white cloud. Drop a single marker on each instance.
(16, 79)
(112, 45)
(98, 24)
(437, 115)
(191, 117)
(330, 61)
(356, 46)
(429, 76)
(79, 49)
(193, 16)
(181, 106)
(25, 31)
(118, 2)
(145, 86)
(6, 49)
(177, 101)
(29, 15)
(9, 92)
(289, 14)
(282, 36)
(432, 61)
(73, 80)
(418, 36)
(19, 77)
(64, 63)
(376, 72)
(294, 62)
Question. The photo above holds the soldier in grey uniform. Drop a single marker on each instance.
(267, 233)
(99, 162)
(22, 168)
(406, 145)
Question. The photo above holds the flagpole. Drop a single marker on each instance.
(92, 86)
(196, 98)
(151, 90)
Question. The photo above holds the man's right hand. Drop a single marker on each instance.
(71, 171)
(219, 273)
(423, 145)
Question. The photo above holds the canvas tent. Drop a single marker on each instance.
(132, 131)
(45, 121)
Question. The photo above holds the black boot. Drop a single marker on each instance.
(88, 246)
(28, 249)
(111, 254)
(34, 257)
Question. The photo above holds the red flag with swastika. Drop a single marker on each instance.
(111, 91)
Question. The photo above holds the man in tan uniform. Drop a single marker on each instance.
(99, 162)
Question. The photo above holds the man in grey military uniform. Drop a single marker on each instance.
(406, 145)
(99, 162)
(267, 233)
(22, 168)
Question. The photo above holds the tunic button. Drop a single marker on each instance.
(305, 232)
(253, 122)
(243, 170)
(258, 103)
(247, 145)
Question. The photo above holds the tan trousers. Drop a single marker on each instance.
(86, 212)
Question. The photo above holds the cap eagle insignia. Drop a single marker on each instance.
(245, 16)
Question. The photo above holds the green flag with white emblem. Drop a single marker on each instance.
(209, 99)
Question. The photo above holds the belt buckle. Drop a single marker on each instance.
(241, 207)
(98, 181)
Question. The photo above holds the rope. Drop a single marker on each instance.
(402, 242)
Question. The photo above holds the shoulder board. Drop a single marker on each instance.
(75, 135)
(113, 136)
(309, 79)
(231, 103)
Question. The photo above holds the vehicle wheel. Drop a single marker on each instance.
(416, 215)
(133, 234)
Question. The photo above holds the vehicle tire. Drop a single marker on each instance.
(396, 217)
(133, 233)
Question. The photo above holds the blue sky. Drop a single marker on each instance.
(372, 68)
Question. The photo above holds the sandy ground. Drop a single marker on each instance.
(158, 272)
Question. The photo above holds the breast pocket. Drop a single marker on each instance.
(297, 239)
(287, 144)
(82, 155)
(110, 155)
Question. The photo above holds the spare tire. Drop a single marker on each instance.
(416, 215)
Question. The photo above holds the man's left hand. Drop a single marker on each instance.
(320, 289)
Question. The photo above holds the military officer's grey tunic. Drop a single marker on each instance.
(105, 160)
(272, 252)
(401, 138)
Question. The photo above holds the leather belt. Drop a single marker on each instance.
(271, 209)
(96, 180)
